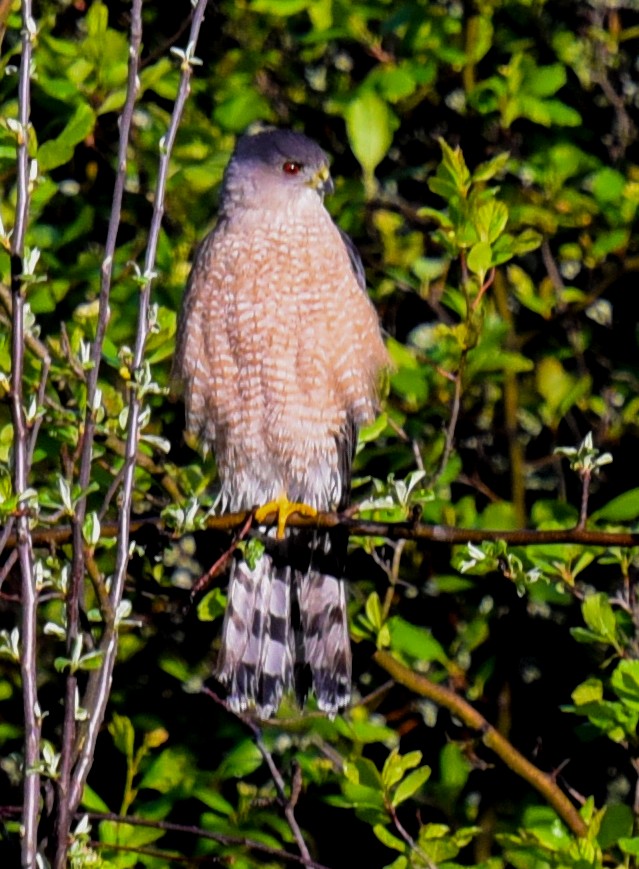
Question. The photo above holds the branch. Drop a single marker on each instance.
(100, 680)
(287, 804)
(65, 804)
(206, 834)
(447, 535)
(186, 829)
(29, 594)
(459, 707)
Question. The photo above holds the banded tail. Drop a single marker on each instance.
(281, 625)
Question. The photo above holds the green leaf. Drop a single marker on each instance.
(588, 692)
(92, 801)
(211, 606)
(489, 219)
(56, 152)
(393, 83)
(387, 838)
(281, 8)
(452, 179)
(91, 661)
(454, 768)
(479, 37)
(599, 617)
(128, 835)
(630, 846)
(625, 683)
(397, 764)
(374, 610)
(617, 822)
(364, 797)
(487, 171)
(479, 258)
(168, 770)
(399, 863)
(411, 784)
(623, 508)
(546, 80)
(123, 734)
(97, 20)
(370, 125)
(365, 731)
(415, 641)
(242, 760)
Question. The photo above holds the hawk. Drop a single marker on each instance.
(278, 355)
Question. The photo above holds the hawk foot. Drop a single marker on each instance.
(283, 508)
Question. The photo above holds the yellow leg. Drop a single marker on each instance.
(283, 508)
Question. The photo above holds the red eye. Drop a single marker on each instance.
(291, 167)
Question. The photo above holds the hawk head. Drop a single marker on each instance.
(276, 168)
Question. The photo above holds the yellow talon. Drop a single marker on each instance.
(283, 508)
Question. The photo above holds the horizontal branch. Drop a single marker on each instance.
(491, 738)
(222, 838)
(411, 530)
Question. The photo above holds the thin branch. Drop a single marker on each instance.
(447, 535)
(511, 403)
(222, 838)
(67, 800)
(7, 535)
(412, 844)
(99, 687)
(288, 804)
(454, 415)
(586, 476)
(33, 344)
(393, 577)
(29, 594)
(491, 737)
(8, 566)
(218, 566)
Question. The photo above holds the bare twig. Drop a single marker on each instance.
(443, 696)
(412, 844)
(218, 566)
(8, 565)
(29, 595)
(586, 476)
(66, 799)
(99, 685)
(393, 577)
(7, 534)
(224, 839)
(33, 344)
(288, 803)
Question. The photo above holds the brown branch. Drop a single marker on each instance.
(287, 803)
(218, 566)
(447, 535)
(222, 838)
(491, 738)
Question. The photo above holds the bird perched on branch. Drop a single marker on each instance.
(279, 354)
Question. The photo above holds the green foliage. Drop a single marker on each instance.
(485, 166)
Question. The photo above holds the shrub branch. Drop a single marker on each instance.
(21, 453)
(491, 738)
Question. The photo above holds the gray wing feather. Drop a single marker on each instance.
(356, 261)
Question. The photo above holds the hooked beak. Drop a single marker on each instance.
(322, 182)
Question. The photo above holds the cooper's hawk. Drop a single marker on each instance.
(279, 353)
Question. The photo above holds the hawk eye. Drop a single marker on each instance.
(291, 167)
